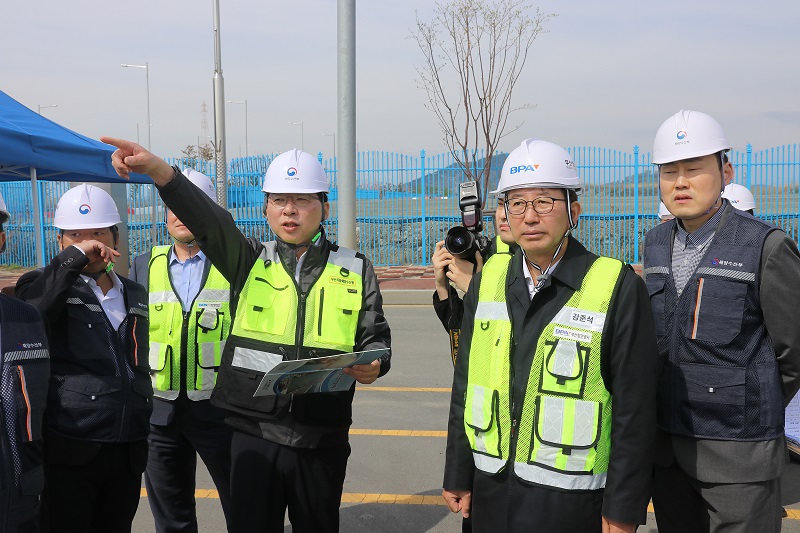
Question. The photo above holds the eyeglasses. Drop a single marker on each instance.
(542, 205)
(300, 201)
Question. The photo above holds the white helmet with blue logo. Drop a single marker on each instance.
(541, 164)
(86, 207)
(688, 134)
(739, 196)
(295, 172)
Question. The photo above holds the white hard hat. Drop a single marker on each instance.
(4, 214)
(663, 212)
(201, 181)
(688, 134)
(538, 163)
(86, 207)
(739, 196)
(295, 171)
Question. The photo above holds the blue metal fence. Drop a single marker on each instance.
(405, 203)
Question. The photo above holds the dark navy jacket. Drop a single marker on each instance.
(719, 375)
(100, 388)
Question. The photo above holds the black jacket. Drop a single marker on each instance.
(628, 370)
(234, 255)
(24, 375)
(100, 387)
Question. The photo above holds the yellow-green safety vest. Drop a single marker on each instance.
(208, 325)
(564, 430)
(269, 310)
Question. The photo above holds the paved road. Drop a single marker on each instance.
(386, 469)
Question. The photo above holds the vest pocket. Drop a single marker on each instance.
(266, 309)
(566, 431)
(337, 315)
(655, 289)
(712, 398)
(480, 415)
(31, 387)
(718, 310)
(83, 323)
(565, 368)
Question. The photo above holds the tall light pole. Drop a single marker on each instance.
(220, 142)
(334, 142)
(45, 107)
(301, 133)
(153, 197)
(246, 144)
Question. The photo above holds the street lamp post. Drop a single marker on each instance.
(246, 143)
(45, 107)
(301, 133)
(153, 197)
(334, 142)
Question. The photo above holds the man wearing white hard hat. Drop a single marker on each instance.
(100, 397)
(24, 376)
(297, 297)
(740, 197)
(723, 287)
(189, 321)
(551, 339)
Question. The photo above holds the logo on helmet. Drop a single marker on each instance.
(85, 209)
(291, 171)
(681, 135)
(523, 168)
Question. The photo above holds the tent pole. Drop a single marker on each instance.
(37, 219)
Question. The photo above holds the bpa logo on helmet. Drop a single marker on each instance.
(85, 209)
(523, 168)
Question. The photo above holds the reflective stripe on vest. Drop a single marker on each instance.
(207, 329)
(268, 308)
(564, 437)
(487, 410)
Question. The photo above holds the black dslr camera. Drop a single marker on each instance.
(464, 240)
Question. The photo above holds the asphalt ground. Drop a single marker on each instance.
(394, 474)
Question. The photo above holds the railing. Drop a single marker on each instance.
(406, 203)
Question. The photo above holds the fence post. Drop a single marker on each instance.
(636, 203)
(749, 167)
(424, 209)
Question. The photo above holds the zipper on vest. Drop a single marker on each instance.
(319, 311)
(183, 372)
(301, 323)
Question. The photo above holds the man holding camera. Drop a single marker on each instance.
(454, 270)
(552, 337)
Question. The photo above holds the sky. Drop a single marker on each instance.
(605, 74)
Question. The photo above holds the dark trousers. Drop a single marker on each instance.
(99, 495)
(172, 465)
(685, 505)
(502, 503)
(266, 478)
(19, 514)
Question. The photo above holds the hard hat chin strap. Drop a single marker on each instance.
(541, 279)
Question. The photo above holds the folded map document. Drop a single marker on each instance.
(320, 374)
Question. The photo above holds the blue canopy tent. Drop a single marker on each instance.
(35, 148)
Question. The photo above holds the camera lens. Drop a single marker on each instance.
(460, 242)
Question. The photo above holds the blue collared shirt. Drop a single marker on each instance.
(187, 277)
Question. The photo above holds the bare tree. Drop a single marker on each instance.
(474, 54)
(206, 152)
